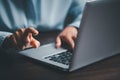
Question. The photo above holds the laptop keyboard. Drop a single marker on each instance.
(63, 57)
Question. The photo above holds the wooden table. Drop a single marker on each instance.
(18, 67)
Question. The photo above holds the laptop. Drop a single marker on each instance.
(98, 38)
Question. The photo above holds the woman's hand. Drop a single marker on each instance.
(22, 39)
(68, 35)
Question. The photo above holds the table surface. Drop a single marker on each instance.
(17, 67)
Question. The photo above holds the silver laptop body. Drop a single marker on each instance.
(98, 38)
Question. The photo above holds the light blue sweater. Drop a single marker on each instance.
(43, 15)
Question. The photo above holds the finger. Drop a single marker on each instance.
(70, 41)
(19, 39)
(31, 30)
(58, 42)
(13, 42)
(28, 38)
(35, 43)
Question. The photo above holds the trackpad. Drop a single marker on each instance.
(45, 50)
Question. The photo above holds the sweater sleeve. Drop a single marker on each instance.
(3, 35)
(76, 10)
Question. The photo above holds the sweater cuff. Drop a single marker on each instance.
(75, 24)
(3, 35)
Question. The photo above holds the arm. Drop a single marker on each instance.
(76, 11)
(70, 31)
